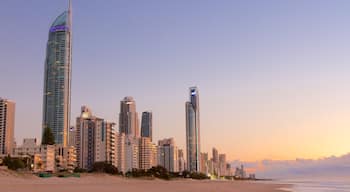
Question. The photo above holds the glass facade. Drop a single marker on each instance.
(193, 131)
(57, 78)
(146, 124)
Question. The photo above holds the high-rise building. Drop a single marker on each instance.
(147, 153)
(7, 124)
(168, 155)
(94, 140)
(222, 165)
(110, 142)
(127, 152)
(204, 163)
(181, 158)
(215, 155)
(57, 77)
(72, 136)
(146, 124)
(193, 131)
(215, 164)
(128, 118)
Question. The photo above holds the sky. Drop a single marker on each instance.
(272, 75)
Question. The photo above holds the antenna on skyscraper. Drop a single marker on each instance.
(70, 14)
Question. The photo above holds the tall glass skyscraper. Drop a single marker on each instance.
(128, 118)
(57, 82)
(193, 131)
(146, 124)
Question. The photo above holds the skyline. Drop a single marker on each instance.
(288, 96)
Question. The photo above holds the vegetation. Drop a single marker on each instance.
(48, 137)
(162, 173)
(14, 163)
(103, 167)
(79, 170)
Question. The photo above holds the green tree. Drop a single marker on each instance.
(48, 137)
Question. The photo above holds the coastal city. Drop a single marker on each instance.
(174, 95)
(126, 145)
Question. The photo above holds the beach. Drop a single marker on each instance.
(12, 182)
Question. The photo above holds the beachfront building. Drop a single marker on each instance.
(128, 118)
(168, 155)
(193, 131)
(44, 159)
(72, 136)
(94, 140)
(146, 125)
(182, 161)
(204, 163)
(127, 152)
(57, 78)
(65, 158)
(147, 153)
(222, 165)
(7, 125)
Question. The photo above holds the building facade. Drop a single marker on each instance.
(128, 118)
(94, 140)
(57, 78)
(193, 131)
(147, 153)
(168, 155)
(7, 125)
(146, 124)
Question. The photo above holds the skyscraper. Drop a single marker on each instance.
(94, 140)
(146, 124)
(128, 118)
(193, 131)
(7, 124)
(168, 155)
(57, 77)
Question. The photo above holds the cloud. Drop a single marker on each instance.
(326, 167)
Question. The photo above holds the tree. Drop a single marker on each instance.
(48, 137)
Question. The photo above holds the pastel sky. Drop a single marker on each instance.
(273, 75)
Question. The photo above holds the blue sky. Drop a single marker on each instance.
(273, 75)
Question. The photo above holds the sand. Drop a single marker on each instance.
(11, 182)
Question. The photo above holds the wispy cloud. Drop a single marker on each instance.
(325, 167)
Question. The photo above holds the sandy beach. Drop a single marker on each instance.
(12, 182)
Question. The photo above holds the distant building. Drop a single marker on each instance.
(57, 80)
(127, 152)
(132, 158)
(94, 140)
(193, 131)
(7, 125)
(47, 157)
(147, 153)
(215, 164)
(222, 165)
(146, 125)
(44, 160)
(29, 147)
(228, 170)
(65, 158)
(204, 163)
(128, 118)
(110, 142)
(72, 136)
(240, 172)
(182, 162)
(168, 155)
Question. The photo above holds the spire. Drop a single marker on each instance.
(70, 14)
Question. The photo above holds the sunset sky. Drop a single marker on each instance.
(273, 76)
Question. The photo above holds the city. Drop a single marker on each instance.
(127, 144)
(187, 95)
